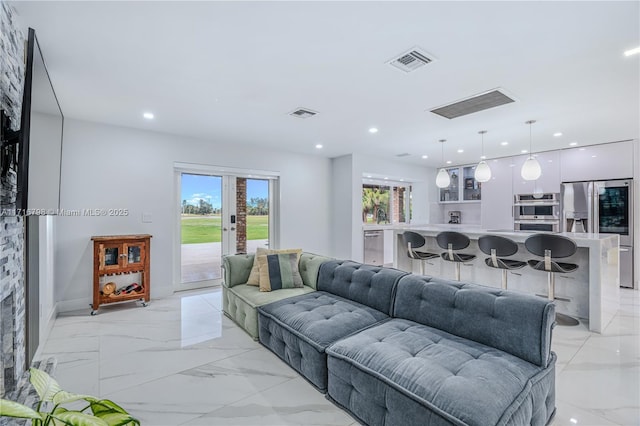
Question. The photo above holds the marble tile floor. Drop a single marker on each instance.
(180, 361)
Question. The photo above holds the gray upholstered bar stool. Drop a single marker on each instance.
(451, 241)
(552, 247)
(494, 246)
(412, 241)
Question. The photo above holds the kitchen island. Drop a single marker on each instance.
(590, 293)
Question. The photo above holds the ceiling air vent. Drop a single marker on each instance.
(411, 60)
(473, 104)
(303, 113)
(404, 154)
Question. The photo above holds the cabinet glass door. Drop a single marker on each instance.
(110, 256)
(471, 187)
(452, 192)
(135, 254)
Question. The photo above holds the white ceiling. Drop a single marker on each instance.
(232, 71)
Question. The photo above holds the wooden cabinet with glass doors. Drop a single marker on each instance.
(120, 269)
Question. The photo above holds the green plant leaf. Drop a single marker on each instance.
(105, 405)
(13, 409)
(44, 384)
(64, 397)
(117, 419)
(75, 418)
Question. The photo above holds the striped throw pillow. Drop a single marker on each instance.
(278, 271)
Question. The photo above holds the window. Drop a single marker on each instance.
(385, 203)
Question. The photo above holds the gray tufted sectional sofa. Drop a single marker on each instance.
(400, 349)
(350, 297)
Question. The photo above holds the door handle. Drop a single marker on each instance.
(224, 229)
(233, 228)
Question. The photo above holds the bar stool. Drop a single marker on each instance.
(412, 241)
(552, 247)
(451, 241)
(495, 246)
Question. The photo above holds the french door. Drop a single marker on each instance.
(220, 213)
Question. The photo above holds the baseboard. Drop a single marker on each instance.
(74, 305)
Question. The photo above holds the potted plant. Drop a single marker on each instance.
(97, 412)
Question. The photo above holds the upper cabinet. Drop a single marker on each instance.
(549, 181)
(497, 200)
(597, 162)
(463, 186)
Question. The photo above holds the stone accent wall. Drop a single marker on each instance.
(12, 291)
(241, 215)
(11, 64)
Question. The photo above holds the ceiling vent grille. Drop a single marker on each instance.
(411, 60)
(303, 113)
(473, 104)
(404, 154)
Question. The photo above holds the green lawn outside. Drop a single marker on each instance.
(206, 229)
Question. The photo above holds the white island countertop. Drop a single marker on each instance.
(590, 293)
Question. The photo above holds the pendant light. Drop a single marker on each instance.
(442, 179)
(531, 168)
(483, 171)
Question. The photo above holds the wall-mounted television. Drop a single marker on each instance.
(40, 146)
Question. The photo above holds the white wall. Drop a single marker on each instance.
(342, 206)
(113, 167)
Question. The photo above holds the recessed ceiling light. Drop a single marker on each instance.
(550, 161)
(524, 151)
(632, 51)
(401, 180)
(557, 134)
(483, 157)
(505, 143)
(148, 115)
(460, 151)
(573, 144)
(448, 161)
(574, 421)
(386, 178)
(582, 149)
(368, 176)
(373, 130)
(593, 156)
(424, 157)
(319, 146)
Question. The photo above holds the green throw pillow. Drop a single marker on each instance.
(278, 271)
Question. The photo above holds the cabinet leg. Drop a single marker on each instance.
(144, 303)
(93, 311)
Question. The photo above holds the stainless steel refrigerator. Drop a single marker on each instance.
(602, 207)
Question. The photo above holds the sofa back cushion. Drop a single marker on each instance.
(373, 286)
(309, 267)
(515, 323)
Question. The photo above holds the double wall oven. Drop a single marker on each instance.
(537, 212)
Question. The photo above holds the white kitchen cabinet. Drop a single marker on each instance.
(597, 162)
(463, 186)
(548, 182)
(497, 196)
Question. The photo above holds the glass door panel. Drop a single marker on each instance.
(613, 209)
(471, 188)
(201, 227)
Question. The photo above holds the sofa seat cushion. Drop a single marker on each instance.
(239, 303)
(321, 318)
(460, 380)
(254, 297)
